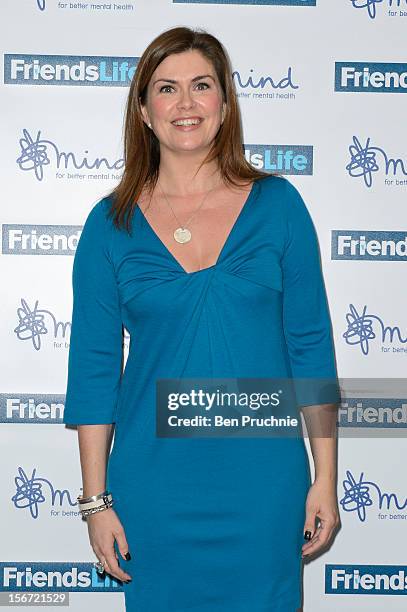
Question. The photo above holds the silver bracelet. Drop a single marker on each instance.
(95, 503)
(92, 497)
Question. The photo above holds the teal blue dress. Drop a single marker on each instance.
(213, 524)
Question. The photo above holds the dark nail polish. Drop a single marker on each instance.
(307, 535)
(127, 556)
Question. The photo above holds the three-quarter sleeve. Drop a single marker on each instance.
(306, 318)
(95, 352)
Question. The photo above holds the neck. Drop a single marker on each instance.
(179, 174)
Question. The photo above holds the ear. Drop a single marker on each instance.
(144, 113)
(223, 112)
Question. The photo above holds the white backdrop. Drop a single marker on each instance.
(55, 131)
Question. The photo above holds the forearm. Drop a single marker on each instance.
(321, 423)
(94, 442)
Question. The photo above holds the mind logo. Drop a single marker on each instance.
(360, 494)
(371, 6)
(32, 324)
(366, 161)
(361, 331)
(32, 491)
(36, 153)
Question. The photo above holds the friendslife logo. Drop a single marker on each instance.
(40, 239)
(103, 71)
(373, 412)
(31, 408)
(287, 159)
(369, 245)
(51, 576)
(366, 579)
(371, 77)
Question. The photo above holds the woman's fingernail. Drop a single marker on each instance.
(127, 556)
(307, 535)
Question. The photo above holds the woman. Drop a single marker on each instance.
(213, 268)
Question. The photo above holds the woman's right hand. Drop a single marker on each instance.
(104, 528)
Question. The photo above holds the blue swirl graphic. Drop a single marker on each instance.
(41, 5)
(358, 496)
(34, 156)
(369, 4)
(32, 324)
(360, 329)
(363, 161)
(30, 493)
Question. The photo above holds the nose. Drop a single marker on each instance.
(185, 99)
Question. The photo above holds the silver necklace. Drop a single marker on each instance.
(182, 234)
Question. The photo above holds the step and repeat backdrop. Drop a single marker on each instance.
(320, 85)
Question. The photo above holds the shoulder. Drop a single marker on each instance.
(98, 216)
(289, 207)
(98, 224)
(97, 229)
(278, 185)
(286, 197)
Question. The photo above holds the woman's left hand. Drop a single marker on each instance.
(322, 503)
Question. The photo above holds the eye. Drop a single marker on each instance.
(201, 86)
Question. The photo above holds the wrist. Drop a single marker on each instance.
(89, 491)
(327, 479)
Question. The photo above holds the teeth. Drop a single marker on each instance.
(187, 122)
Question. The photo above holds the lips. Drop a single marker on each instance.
(187, 121)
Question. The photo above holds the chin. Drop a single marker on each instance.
(191, 145)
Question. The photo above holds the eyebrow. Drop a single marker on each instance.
(197, 78)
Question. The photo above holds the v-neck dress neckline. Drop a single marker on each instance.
(243, 211)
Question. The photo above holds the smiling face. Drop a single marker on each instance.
(184, 102)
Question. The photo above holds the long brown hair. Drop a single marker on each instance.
(141, 146)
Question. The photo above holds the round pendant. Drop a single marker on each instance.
(182, 234)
